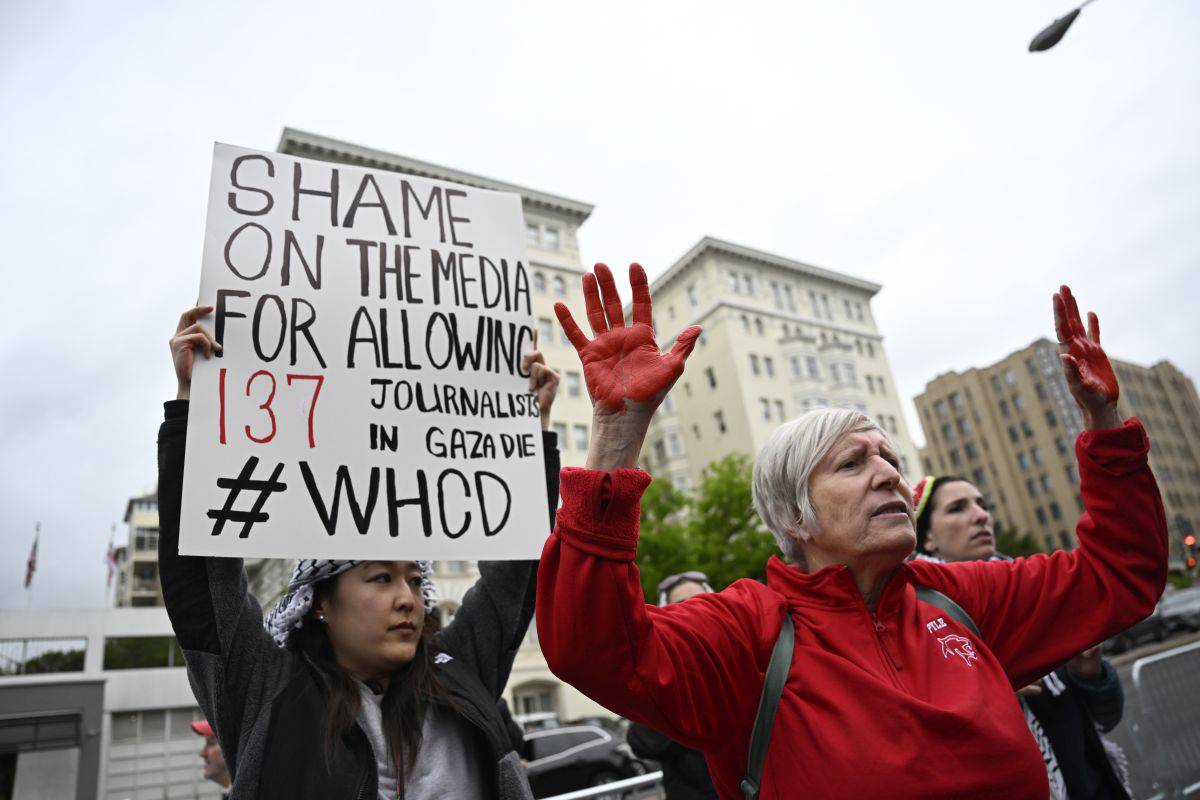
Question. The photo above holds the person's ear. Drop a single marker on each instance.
(320, 607)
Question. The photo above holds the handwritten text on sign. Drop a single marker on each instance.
(369, 401)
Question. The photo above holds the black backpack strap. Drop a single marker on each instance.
(764, 720)
(952, 609)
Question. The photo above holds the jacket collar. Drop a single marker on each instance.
(832, 587)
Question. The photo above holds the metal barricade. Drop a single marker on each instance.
(1167, 687)
(628, 788)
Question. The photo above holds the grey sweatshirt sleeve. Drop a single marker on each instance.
(234, 667)
(496, 611)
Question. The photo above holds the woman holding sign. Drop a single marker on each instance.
(887, 689)
(352, 691)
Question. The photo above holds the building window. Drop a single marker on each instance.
(550, 238)
(668, 404)
(758, 326)
(850, 374)
(539, 282)
(581, 437)
(858, 311)
(712, 377)
(779, 410)
(1017, 403)
(1072, 478)
(573, 384)
(560, 286)
(141, 652)
(745, 323)
(814, 368)
(532, 237)
(1055, 511)
(825, 306)
(1004, 408)
(1031, 487)
(1009, 378)
(696, 432)
(964, 426)
(1026, 429)
(835, 372)
(1044, 480)
(545, 331)
(870, 385)
(735, 283)
(1051, 420)
(776, 295)
(693, 298)
(675, 444)
(880, 385)
(560, 429)
(765, 406)
(1023, 461)
(794, 363)
(660, 451)
(719, 416)
(769, 366)
(1041, 515)
(1060, 445)
(955, 461)
(787, 294)
(870, 350)
(939, 408)
(1013, 436)
(948, 432)
(1036, 454)
(1040, 391)
(846, 305)
(995, 383)
(753, 364)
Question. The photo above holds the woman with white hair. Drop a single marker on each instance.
(886, 695)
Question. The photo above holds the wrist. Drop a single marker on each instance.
(1103, 419)
(184, 392)
(616, 440)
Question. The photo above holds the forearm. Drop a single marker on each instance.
(1102, 695)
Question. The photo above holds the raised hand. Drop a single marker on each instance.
(627, 375)
(1089, 375)
(190, 337)
(543, 381)
(623, 367)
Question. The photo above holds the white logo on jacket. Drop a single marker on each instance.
(959, 646)
(442, 658)
(936, 625)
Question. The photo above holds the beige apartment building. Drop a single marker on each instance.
(1010, 428)
(137, 562)
(780, 338)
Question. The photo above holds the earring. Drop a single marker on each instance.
(321, 617)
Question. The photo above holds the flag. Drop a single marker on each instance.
(111, 557)
(31, 564)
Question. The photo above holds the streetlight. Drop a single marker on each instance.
(1055, 31)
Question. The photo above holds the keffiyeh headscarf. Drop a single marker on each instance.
(290, 611)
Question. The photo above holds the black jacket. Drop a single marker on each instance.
(685, 772)
(1070, 710)
(267, 705)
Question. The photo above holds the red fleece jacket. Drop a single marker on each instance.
(903, 703)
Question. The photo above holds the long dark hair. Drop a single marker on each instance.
(410, 691)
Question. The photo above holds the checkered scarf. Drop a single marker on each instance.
(290, 611)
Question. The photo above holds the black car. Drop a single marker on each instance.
(560, 760)
(1181, 609)
(1151, 629)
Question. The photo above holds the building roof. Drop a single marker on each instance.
(301, 143)
(710, 244)
(151, 497)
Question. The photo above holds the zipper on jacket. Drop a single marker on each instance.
(881, 643)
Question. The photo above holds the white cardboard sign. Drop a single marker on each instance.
(369, 402)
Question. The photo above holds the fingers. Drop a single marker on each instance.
(685, 342)
(1073, 318)
(1062, 329)
(1093, 327)
(574, 335)
(195, 341)
(612, 300)
(1032, 690)
(541, 377)
(641, 296)
(591, 302)
(190, 316)
(530, 358)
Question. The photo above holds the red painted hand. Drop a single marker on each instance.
(623, 366)
(1089, 375)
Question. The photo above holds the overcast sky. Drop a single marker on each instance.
(914, 144)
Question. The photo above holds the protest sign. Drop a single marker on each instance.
(369, 400)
